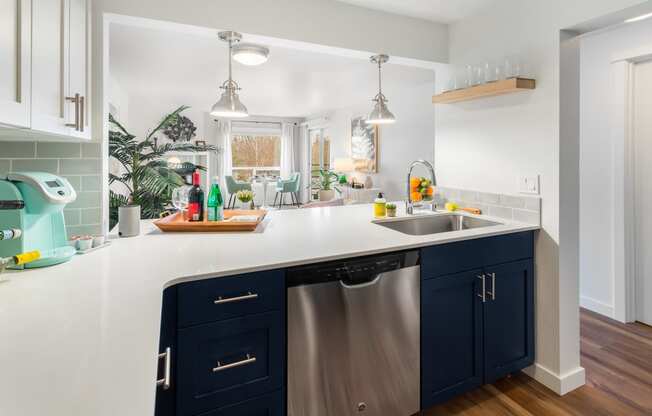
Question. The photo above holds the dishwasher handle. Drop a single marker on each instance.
(361, 285)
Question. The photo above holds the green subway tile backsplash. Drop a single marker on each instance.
(57, 150)
(90, 183)
(36, 165)
(84, 230)
(5, 167)
(75, 182)
(10, 150)
(79, 166)
(79, 163)
(72, 216)
(91, 150)
(86, 200)
(91, 216)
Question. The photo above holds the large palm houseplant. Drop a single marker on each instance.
(145, 174)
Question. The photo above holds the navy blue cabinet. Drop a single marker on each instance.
(508, 319)
(268, 405)
(451, 336)
(477, 313)
(229, 361)
(225, 341)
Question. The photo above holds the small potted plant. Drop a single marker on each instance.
(390, 207)
(326, 188)
(246, 197)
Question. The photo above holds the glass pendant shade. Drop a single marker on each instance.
(250, 54)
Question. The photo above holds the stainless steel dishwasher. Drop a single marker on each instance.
(353, 337)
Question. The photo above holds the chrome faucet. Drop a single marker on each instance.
(409, 204)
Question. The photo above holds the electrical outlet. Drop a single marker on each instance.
(529, 185)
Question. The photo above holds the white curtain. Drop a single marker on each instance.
(225, 165)
(304, 140)
(287, 150)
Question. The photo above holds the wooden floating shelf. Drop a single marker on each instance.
(490, 89)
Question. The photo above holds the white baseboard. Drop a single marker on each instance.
(559, 384)
(597, 306)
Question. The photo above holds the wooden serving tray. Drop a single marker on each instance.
(176, 223)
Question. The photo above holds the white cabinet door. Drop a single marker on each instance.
(15, 31)
(60, 68)
(79, 66)
(50, 68)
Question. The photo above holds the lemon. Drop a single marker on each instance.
(451, 206)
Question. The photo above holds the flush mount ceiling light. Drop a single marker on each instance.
(229, 105)
(250, 54)
(639, 18)
(380, 114)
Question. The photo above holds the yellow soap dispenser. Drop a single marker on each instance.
(380, 206)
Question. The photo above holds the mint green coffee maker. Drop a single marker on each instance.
(33, 203)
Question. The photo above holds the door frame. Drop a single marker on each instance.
(624, 214)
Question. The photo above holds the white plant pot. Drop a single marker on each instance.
(326, 195)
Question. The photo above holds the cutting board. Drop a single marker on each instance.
(176, 223)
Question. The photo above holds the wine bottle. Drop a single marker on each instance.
(196, 199)
(215, 202)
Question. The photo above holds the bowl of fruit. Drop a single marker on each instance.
(421, 189)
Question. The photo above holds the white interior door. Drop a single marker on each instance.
(642, 141)
(15, 31)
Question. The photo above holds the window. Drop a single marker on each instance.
(255, 155)
(320, 156)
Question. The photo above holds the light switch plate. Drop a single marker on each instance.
(529, 185)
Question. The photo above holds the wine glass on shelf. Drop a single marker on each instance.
(180, 199)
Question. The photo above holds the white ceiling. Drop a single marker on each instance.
(443, 11)
(189, 69)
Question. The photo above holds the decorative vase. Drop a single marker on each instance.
(326, 195)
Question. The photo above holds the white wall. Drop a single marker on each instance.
(409, 139)
(324, 22)
(597, 201)
(487, 144)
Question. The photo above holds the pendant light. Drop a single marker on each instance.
(250, 54)
(229, 105)
(380, 114)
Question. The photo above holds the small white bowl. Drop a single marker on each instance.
(84, 244)
(98, 241)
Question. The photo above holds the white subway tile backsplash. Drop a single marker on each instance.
(529, 217)
(520, 208)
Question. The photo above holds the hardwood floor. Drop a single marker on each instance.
(618, 363)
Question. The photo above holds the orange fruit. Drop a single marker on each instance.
(415, 182)
(416, 196)
(430, 190)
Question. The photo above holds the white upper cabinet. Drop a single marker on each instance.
(60, 68)
(15, 30)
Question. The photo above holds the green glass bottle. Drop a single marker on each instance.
(215, 202)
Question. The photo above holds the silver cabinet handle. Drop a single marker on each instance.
(222, 367)
(493, 286)
(248, 296)
(165, 382)
(483, 277)
(76, 99)
(82, 102)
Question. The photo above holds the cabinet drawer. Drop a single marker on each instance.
(268, 405)
(229, 297)
(467, 255)
(230, 361)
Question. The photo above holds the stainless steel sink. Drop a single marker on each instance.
(434, 224)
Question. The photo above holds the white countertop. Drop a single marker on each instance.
(81, 338)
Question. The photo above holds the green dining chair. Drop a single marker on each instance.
(233, 187)
(288, 186)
